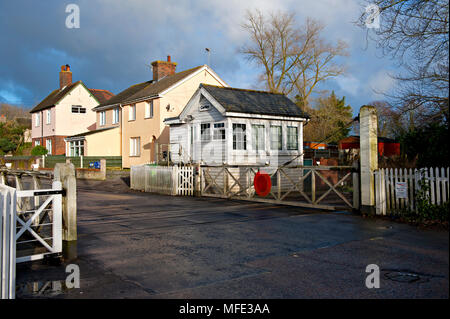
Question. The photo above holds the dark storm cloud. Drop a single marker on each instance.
(118, 38)
(110, 50)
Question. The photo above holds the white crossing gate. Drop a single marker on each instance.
(7, 242)
(184, 178)
(39, 228)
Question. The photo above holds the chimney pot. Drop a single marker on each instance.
(65, 76)
(163, 68)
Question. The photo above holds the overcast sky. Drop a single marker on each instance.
(117, 39)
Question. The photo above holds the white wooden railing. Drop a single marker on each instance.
(397, 189)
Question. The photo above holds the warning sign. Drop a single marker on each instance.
(401, 189)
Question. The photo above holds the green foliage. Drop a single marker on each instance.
(6, 146)
(11, 137)
(426, 212)
(430, 145)
(39, 150)
(329, 115)
(25, 147)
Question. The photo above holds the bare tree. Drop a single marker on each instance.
(416, 33)
(12, 111)
(294, 60)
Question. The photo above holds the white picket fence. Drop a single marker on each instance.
(396, 189)
(8, 200)
(168, 180)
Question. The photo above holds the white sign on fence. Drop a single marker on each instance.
(401, 189)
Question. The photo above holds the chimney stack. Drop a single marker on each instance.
(65, 76)
(163, 68)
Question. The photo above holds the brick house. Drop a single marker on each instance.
(64, 112)
(133, 120)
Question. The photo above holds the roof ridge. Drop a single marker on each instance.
(243, 90)
(188, 71)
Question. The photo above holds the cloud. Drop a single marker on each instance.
(117, 40)
(349, 84)
(380, 84)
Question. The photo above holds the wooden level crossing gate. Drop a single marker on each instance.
(39, 223)
(30, 228)
(322, 187)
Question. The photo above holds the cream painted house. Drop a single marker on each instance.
(133, 120)
(64, 112)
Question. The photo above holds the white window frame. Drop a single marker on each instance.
(48, 146)
(289, 138)
(102, 118)
(219, 133)
(37, 119)
(135, 146)
(116, 115)
(132, 112)
(205, 132)
(78, 109)
(37, 142)
(76, 148)
(239, 137)
(279, 139)
(258, 142)
(49, 117)
(148, 110)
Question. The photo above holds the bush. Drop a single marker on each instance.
(39, 150)
(429, 145)
(6, 146)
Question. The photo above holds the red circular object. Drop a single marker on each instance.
(262, 183)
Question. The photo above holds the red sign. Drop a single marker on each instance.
(262, 183)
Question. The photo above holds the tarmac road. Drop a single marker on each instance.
(140, 245)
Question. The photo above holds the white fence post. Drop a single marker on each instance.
(57, 218)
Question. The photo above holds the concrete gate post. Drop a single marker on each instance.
(65, 173)
(368, 156)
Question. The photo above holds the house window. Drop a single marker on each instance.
(78, 109)
(49, 116)
(148, 109)
(276, 139)
(292, 138)
(37, 119)
(48, 146)
(132, 113)
(205, 132)
(258, 137)
(135, 146)
(76, 148)
(219, 131)
(239, 137)
(102, 118)
(115, 118)
(37, 142)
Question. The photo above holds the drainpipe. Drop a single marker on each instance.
(41, 123)
(121, 130)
